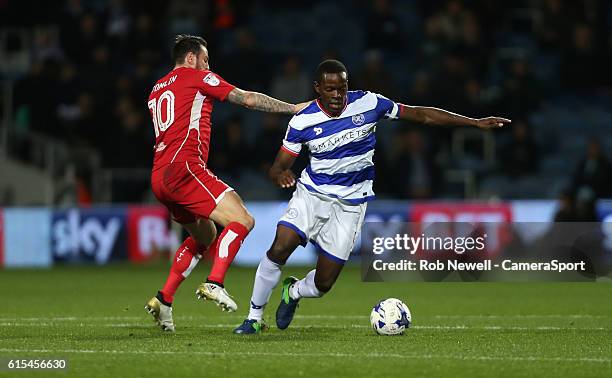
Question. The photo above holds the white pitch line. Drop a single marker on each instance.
(204, 317)
(70, 318)
(320, 355)
(232, 325)
(520, 316)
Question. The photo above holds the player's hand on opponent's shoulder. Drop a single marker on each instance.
(285, 179)
(299, 107)
(491, 122)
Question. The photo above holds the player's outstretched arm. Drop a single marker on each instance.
(435, 116)
(262, 102)
(280, 173)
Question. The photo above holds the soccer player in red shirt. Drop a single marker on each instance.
(181, 104)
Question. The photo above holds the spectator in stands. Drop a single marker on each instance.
(247, 52)
(581, 66)
(421, 91)
(375, 77)
(91, 123)
(520, 90)
(594, 172)
(98, 78)
(78, 45)
(46, 47)
(449, 25)
(566, 211)
(577, 206)
(415, 172)
(130, 145)
(471, 102)
(521, 155)
(145, 38)
(551, 27)
(40, 109)
(267, 140)
(231, 153)
(384, 29)
(293, 84)
(585, 205)
(108, 50)
(450, 79)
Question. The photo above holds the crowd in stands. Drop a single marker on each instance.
(93, 63)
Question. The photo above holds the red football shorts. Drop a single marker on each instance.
(188, 189)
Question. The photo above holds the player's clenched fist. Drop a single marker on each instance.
(285, 179)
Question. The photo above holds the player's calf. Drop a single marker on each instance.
(185, 260)
(324, 284)
(285, 242)
(237, 222)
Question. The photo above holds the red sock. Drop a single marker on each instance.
(185, 259)
(224, 249)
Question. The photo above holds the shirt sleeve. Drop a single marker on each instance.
(292, 143)
(387, 108)
(213, 85)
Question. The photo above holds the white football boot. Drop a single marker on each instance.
(218, 294)
(161, 313)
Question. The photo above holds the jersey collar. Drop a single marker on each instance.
(325, 111)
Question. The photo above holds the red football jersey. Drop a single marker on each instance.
(181, 104)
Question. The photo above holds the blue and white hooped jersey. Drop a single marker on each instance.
(341, 148)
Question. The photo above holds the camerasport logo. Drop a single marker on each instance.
(88, 235)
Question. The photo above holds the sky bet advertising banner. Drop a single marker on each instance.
(510, 240)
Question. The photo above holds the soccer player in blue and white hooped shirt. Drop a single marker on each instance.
(329, 203)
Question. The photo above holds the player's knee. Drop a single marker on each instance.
(207, 235)
(247, 221)
(200, 240)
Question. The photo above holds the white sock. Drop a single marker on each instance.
(266, 278)
(305, 288)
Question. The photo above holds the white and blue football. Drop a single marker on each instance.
(390, 317)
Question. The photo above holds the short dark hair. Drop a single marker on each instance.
(330, 66)
(184, 44)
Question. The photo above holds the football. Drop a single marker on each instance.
(390, 317)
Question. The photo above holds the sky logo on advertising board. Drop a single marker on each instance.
(76, 236)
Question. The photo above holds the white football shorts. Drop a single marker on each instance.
(330, 224)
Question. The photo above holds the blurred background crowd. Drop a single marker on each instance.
(76, 75)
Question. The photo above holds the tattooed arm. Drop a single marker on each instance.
(262, 102)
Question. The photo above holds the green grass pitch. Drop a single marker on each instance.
(94, 317)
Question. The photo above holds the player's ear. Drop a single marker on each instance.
(316, 87)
